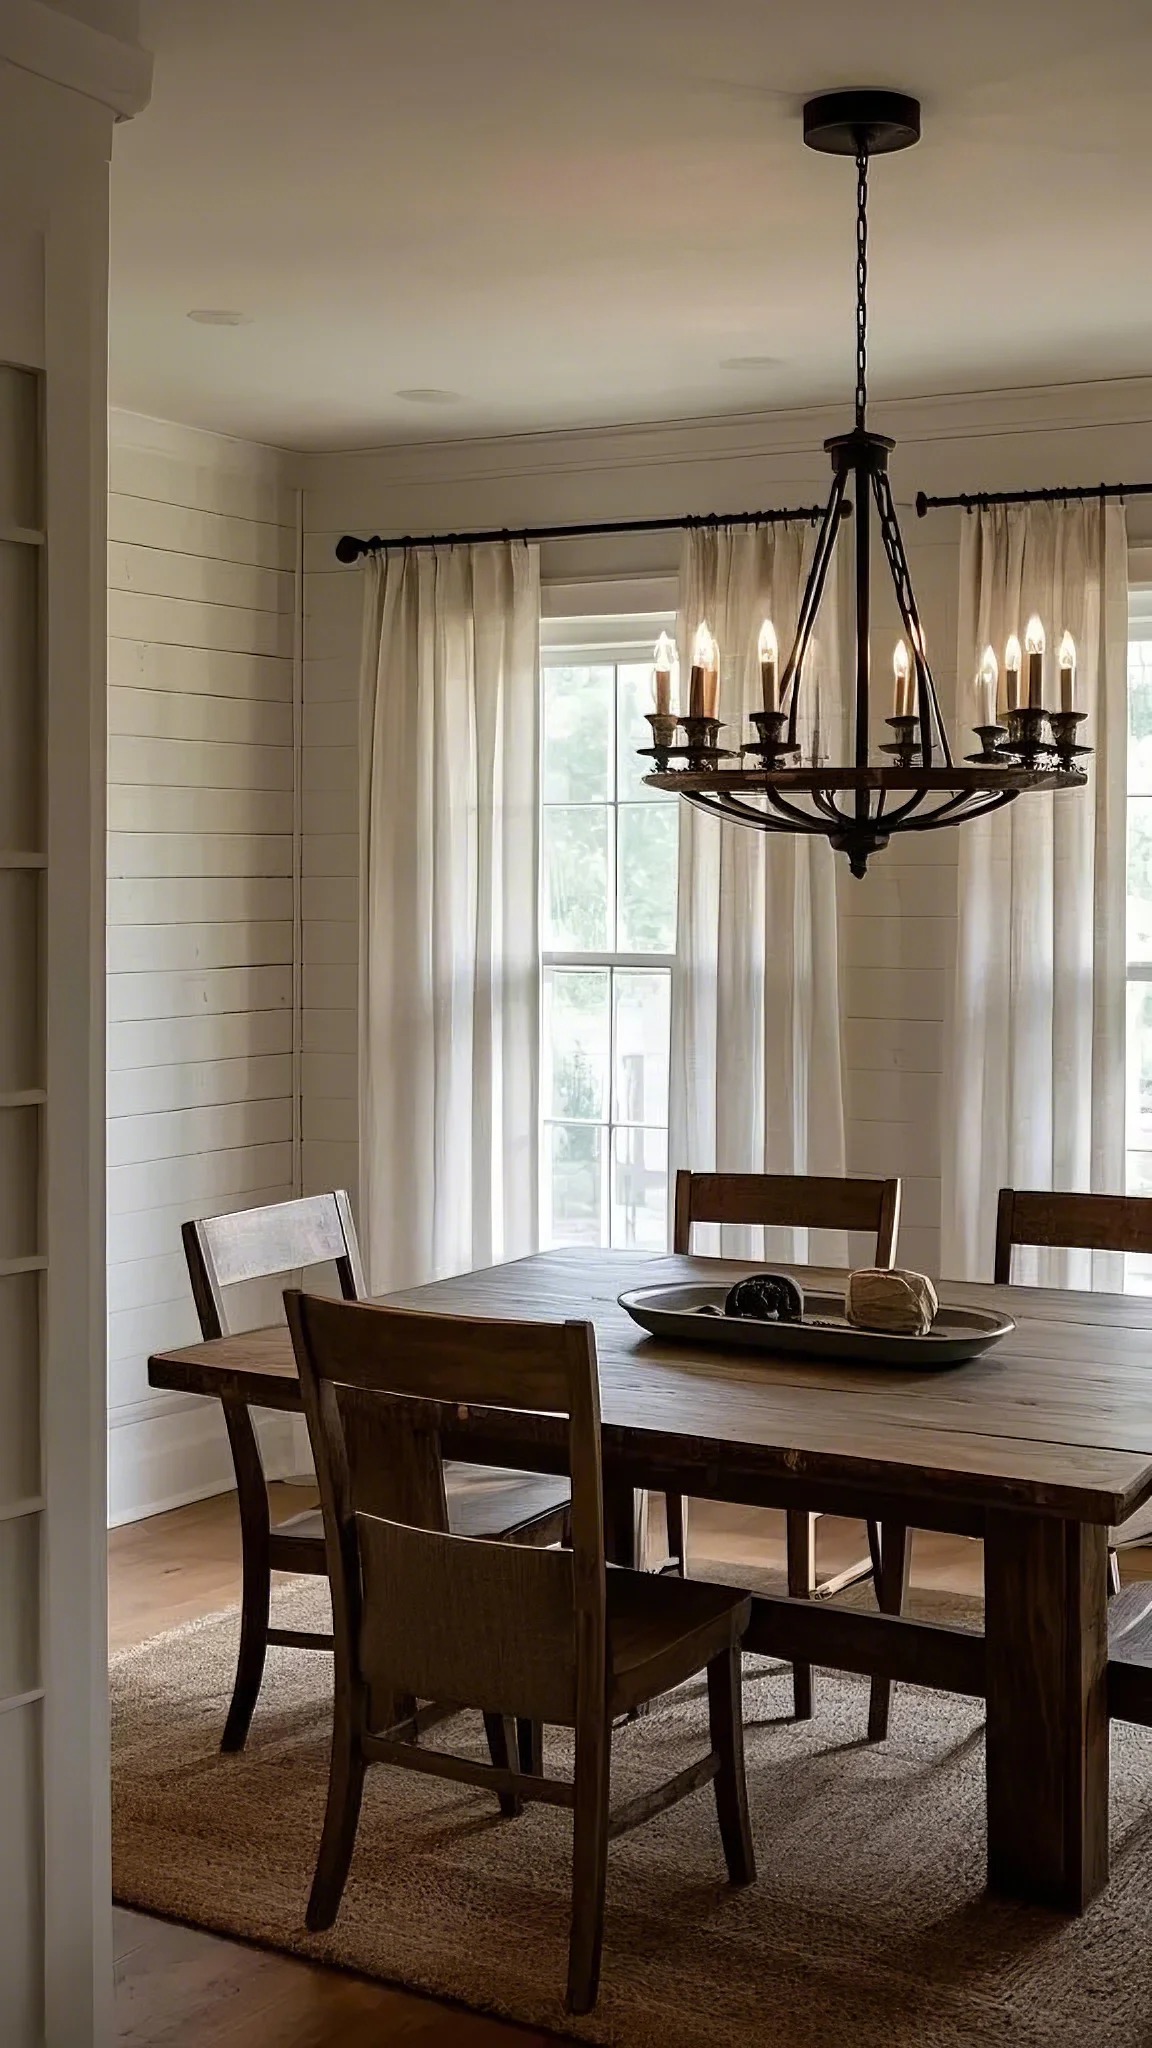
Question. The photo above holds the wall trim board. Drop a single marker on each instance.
(70, 52)
(200, 444)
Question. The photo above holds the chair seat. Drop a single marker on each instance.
(483, 1500)
(662, 1631)
(1137, 1529)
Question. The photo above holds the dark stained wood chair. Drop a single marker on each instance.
(799, 1202)
(544, 1636)
(1077, 1222)
(287, 1238)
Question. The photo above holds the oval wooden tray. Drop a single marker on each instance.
(957, 1334)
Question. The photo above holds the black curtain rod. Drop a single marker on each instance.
(1080, 493)
(349, 548)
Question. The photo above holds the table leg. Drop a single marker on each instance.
(1046, 1626)
(625, 1523)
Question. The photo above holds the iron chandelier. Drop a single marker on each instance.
(858, 805)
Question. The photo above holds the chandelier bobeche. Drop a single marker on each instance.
(858, 805)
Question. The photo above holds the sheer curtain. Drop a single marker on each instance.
(1034, 1056)
(756, 1081)
(449, 958)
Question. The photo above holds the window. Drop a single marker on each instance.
(608, 919)
(1138, 1269)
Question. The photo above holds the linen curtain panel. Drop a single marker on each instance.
(1034, 1055)
(756, 1081)
(449, 954)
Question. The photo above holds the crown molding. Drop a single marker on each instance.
(199, 444)
(965, 416)
(69, 52)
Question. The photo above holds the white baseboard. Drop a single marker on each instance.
(160, 1462)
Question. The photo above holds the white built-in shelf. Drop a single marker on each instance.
(34, 1262)
(24, 536)
(21, 1699)
(22, 1098)
(23, 860)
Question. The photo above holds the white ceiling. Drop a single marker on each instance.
(580, 211)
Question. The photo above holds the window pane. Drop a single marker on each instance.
(578, 736)
(647, 843)
(633, 699)
(576, 1044)
(1140, 716)
(640, 1190)
(643, 1018)
(1140, 878)
(576, 1209)
(1138, 1084)
(576, 878)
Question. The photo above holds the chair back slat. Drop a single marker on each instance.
(1069, 1222)
(799, 1201)
(417, 1610)
(256, 1244)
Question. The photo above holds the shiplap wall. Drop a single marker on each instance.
(201, 1087)
(898, 925)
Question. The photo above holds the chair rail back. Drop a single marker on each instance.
(418, 1611)
(802, 1201)
(255, 1244)
(1069, 1222)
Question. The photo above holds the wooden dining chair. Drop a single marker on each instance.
(800, 1202)
(1077, 1222)
(422, 1614)
(286, 1238)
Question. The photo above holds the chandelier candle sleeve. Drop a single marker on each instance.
(768, 651)
(663, 670)
(1012, 661)
(704, 682)
(1067, 673)
(1034, 643)
(988, 681)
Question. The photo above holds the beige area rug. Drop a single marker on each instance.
(868, 1927)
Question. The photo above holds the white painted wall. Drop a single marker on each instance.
(59, 85)
(898, 925)
(201, 910)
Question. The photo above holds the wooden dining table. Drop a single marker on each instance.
(1038, 1447)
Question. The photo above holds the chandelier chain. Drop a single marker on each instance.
(861, 285)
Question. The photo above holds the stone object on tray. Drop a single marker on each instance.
(766, 1298)
(890, 1302)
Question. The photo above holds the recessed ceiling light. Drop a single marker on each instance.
(429, 394)
(751, 362)
(219, 316)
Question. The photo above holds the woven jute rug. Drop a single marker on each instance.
(868, 1928)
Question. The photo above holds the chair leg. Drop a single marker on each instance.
(1113, 1572)
(252, 1498)
(726, 1729)
(504, 1750)
(589, 1866)
(341, 1816)
(530, 1747)
(891, 1588)
(801, 1586)
(676, 1518)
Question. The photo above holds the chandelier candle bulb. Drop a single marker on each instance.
(901, 681)
(1034, 643)
(988, 682)
(1012, 661)
(768, 649)
(664, 665)
(1067, 673)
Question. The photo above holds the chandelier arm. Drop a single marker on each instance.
(730, 810)
(928, 703)
(961, 808)
(803, 819)
(810, 602)
(894, 819)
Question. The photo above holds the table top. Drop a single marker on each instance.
(1056, 1418)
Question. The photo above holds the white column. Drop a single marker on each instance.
(62, 81)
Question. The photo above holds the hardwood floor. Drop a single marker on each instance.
(179, 1988)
